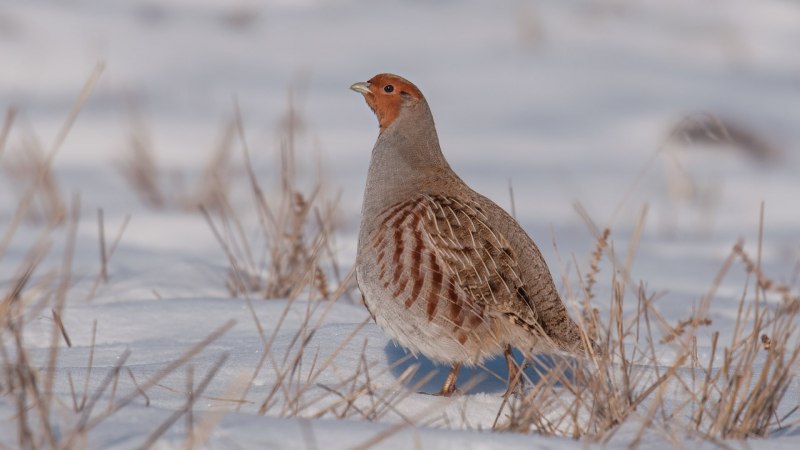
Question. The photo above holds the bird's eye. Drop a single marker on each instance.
(388, 88)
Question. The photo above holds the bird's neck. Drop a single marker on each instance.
(405, 160)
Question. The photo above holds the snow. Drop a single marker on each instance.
(569, 101)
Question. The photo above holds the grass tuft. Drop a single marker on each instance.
(731, 391)
(293, 250)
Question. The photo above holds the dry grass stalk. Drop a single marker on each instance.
(295, 231)
(60, 324)
(686, 184)
(201, 432)
(138, 389)
(594, 266)
(31, 387)
(102, 236)
(159, 189)
(511, 197)
(21, 379)
(179, 362)
(11, 113)
(418, 418)
(763, 282)
(186, 409)
(707, 128)
(43, 172)
(742, 397)
(736, 398)
(297, 391)
(140, 168)
(680, 328)
(105, 255)
(27, 163)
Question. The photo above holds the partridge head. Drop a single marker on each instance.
(387, 95)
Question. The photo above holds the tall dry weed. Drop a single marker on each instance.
(650, 372)
(161, 189)
(30, 170)
(294, 250)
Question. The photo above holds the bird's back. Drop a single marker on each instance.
(537, 305)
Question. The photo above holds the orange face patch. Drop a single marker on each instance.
(387, 94)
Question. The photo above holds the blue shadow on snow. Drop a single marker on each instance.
(491, 378)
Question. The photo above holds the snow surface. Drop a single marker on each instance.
(570, 100)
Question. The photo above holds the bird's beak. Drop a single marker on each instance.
(362, 87)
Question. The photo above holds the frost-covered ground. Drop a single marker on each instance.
(570, 100)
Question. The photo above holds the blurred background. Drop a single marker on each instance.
(162, 161)
(691, 109)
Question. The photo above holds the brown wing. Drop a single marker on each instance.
(439, 254)
(482, 260)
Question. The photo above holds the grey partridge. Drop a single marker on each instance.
(442, 269)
